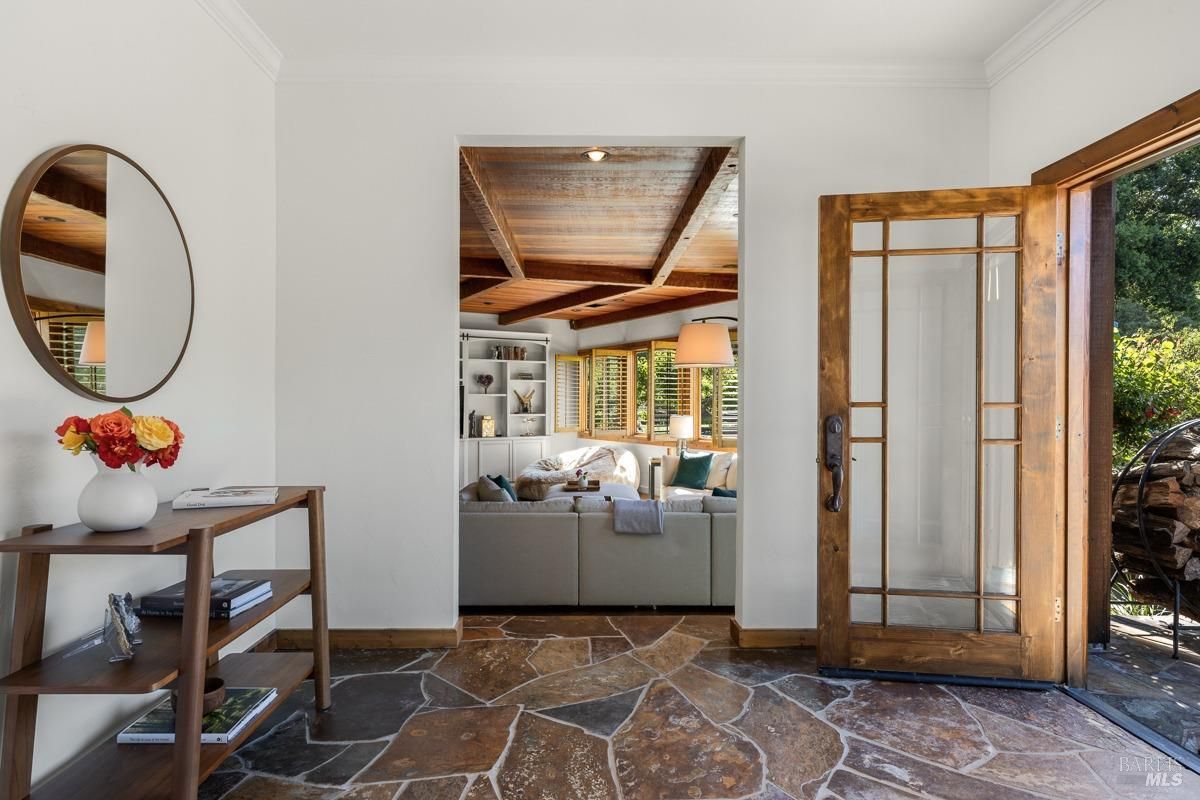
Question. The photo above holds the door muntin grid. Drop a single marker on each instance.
(945, 290)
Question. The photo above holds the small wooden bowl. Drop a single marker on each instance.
(214, 695)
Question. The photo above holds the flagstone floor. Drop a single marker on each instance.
(656, 707)
(1137, 675)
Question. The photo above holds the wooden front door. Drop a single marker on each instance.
(940, 551)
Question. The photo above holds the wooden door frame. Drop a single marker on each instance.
(1081, 179)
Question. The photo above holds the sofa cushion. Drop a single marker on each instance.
(692, 472)
(503, 483)
(561, 506)
(490, 491)
(691, 504)
(719, 505)
(469, 492)
(719, 470)
(731, 477)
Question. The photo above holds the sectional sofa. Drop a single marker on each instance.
(564, 552)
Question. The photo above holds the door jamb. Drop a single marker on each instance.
(1074, 176)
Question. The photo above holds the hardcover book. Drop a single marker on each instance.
(220, 726)
(213, 613)
(227, 594)
(227, 497)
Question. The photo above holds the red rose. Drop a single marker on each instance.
(116, 454)
(80, 425)
(167, 455)
(116, 444)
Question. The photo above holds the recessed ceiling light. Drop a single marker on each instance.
(48, 218)
(594, 155)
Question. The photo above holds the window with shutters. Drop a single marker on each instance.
(671, 388)
(610, 392)
(719, 403)
(569, 400)
(64, 337)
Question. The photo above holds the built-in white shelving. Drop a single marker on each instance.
(498, 354)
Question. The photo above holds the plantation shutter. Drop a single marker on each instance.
(672, 388)
(727, 432)
(65, 340)
(569, 401)
(610, 392)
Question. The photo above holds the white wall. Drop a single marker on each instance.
(165, 85)
(1124, 60)
(52, 281)
(391, 503)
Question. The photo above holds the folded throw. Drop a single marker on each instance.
(637, 516)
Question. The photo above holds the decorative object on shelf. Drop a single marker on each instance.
(485, 381)
(119, 497)
(497, 352)
(523, 376)
(529, 423)
(214, 695)
(472, 425)
(526, 401)
(681, 427)
(487, 426)
(704, 344)
(115, 634)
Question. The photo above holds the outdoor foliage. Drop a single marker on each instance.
(1156, 348)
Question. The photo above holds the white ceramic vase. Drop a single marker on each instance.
(117, 499)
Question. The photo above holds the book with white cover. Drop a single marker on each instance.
(227, 497)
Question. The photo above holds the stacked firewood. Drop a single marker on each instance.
(1172, 513)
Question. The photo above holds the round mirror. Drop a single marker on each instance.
(97, 273)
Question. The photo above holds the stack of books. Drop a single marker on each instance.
(230, 597)
(221, 725)
(227, 497)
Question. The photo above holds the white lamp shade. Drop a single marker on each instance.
(681, 426)
(703, 344)
(93, 353)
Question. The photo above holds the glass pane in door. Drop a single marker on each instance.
(932, 435)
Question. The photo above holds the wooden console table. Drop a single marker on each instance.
(173, 649)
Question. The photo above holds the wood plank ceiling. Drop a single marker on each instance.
(544, 232)
(65, 218)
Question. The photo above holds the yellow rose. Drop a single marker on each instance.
(152, 433)
(73, 441)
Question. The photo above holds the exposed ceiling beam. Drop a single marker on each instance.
(59, 307)
(70, 191)
(473, 286)
(711, 281)
(556, 304)
(720, 168)
(61, 254)
(597, 273)
(665, 307)
(481, 197)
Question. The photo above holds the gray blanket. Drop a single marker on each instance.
(637, 516)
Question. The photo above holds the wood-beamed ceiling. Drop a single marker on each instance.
(546, 233)
(65, 218)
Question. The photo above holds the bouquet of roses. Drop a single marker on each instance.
(119, 438)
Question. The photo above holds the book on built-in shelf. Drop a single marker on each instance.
(220, 726)
(226, 497)
(226, 594)
(212, 614)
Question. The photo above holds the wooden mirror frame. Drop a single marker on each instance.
(14, 285)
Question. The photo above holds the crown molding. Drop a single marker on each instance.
(1041, 31)
(234, 20)
(590, 71)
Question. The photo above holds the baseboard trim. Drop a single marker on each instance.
(372, 638)
(771, 637)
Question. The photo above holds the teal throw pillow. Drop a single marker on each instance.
(503, 483)
(721, 491)
(693, 470)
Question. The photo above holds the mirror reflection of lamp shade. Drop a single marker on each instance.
(94, 352)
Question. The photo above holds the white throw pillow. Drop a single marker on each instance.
(731, 477)
(489, 491)
(718, 470)
(670, 465)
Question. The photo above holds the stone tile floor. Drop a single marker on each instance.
(1137, 675)
(648, 706)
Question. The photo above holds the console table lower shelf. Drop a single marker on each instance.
(112, 771)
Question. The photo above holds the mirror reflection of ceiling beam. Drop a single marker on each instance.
(61, 254)
(65, 189)
(481, 198)
(473, 286)
(569, 300)
(48, 306)
(653, 309)
(718, 171)
(596, 273)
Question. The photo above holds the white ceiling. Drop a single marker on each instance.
(845, 32)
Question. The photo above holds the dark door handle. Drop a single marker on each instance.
(834, 430)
